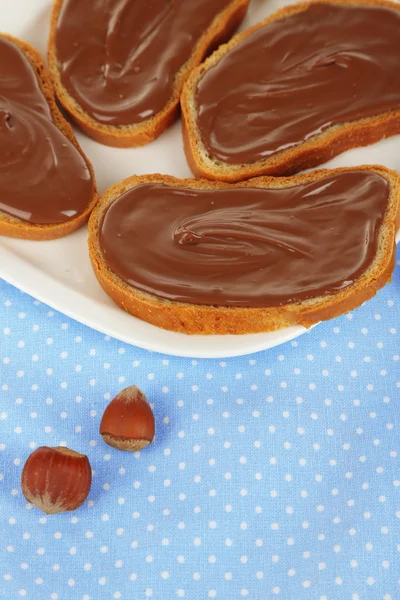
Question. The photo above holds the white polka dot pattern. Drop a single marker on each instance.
(275, 475)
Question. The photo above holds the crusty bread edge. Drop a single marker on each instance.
(315, 151)
(221, 29)
(199, 319)
(17, 228)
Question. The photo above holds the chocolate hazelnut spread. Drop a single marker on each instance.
(295, 77)
(245, 246)
(119, 58)
(43, 177)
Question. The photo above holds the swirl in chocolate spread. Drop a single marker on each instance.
(119, 58)
(43, 177)
(295, 77)
(245, 246)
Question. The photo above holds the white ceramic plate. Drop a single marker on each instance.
(59, 272)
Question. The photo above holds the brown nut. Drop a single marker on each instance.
(56, 479)
(128, 421)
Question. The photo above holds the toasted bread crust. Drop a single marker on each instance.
(199, 319)
(317, 150)
(222, 28)
(14, 227)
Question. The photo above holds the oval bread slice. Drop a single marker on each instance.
(14, 227)
(316, 150)
(201, 319)
(220, 30)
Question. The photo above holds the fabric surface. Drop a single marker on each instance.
(272, 476)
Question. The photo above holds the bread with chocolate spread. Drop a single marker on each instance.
(309, 82)
(47, 185)
(205, 257)
(118, 67)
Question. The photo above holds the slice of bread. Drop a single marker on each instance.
(202, 319)
(14, 227)
(316, 150)
(139, 134)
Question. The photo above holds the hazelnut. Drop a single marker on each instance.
(128, 421)
(56, 479)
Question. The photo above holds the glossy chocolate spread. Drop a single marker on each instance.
(119, 58)
(245, 246)
(297, 76)
(43, 178)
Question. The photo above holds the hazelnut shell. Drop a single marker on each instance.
(128, 421)
(56, 479)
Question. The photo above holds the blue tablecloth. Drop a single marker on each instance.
(272, 476)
